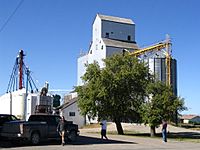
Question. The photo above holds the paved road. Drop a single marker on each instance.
(88, 141)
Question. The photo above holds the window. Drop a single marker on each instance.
(71, 113)
(107, 35)
(129, 38)
(102, 47)
(90, 51)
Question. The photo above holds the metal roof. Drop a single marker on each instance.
(65, 105)
(119, 44)
(188, 117)
(116, 19)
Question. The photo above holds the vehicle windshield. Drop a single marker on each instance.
(6, 118)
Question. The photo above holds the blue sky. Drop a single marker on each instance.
(52, 33)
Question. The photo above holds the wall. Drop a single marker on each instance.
(119, 31)
(5, 102)
(157, 66)
(96, 30)
(186, 121)
(13, 103)
(112, 50)
(31, 104)
(77, 119)
(81, 68)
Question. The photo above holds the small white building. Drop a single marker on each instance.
(190, 119)
(71, 112)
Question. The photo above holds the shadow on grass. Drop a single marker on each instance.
(81, 140)
(184, 135)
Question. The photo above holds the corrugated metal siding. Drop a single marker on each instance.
(157, 67)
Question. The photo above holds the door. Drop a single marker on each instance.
(52, 127)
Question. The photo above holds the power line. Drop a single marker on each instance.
(12, 14)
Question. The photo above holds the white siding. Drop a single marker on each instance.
(31, 104)
(77, 119)
(185, 121)
(13, 103)
(81, 68)
(5, 102)
(96, 34)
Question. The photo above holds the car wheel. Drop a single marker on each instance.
(35, 138)
(72, 136)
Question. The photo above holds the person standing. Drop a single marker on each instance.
(61, 129)
(103, 129)
(164, 130)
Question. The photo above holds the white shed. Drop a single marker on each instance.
(71, 112)
(190, 119)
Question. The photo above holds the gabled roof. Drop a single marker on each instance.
(116, 19)
(188, 117)
(119, 44)
(65, 105)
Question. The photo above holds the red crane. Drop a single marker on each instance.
(21, 62)
(19, 71)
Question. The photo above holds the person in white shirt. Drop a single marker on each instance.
(103, 129)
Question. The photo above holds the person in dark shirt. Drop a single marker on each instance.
(61, 129)
(164, 130)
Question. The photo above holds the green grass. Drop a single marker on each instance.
(197, 129)
(93, 125)
(187, 140)
(183, 137)
(158, 136)
(126, 132)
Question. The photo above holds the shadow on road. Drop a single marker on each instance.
(85, 140)
(81, 140)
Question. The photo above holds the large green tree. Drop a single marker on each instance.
(115, 91)
(162, 104)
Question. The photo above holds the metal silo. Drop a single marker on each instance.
(157, 67)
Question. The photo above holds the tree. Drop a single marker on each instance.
(116, 91)
(162, 104)
(56, 100)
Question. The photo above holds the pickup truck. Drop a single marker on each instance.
(37, 128)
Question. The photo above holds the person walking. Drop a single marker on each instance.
(164, 130)
(103, 129)
(61, 129)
